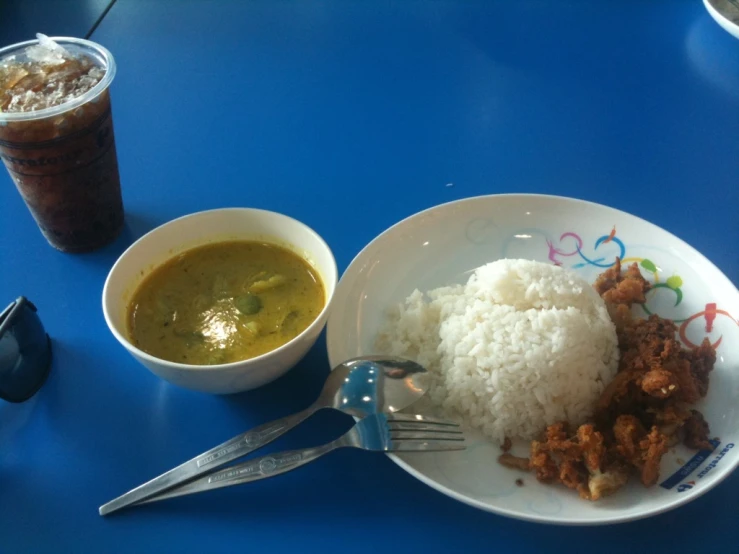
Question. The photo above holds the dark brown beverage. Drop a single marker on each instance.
(57, 140)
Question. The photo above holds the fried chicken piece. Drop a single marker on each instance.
(583, 490)
(557, 442)
(617, 287)
(688, 387)
(617, 389)
(620, 315)
(609, 278)
(633, 274)
(669, 419)
(555, 434)
(659, 383)
(653, 447)
(572, 474)
(638, 448)
(607, 482)
(696, 432)
(591, 443)
(578, 462)
(507, 444)
(702, 360)
(653, 362)
(554, 449)
(599, 483)
(672, 413)
(647, 342)
(514, 462)
(570, 461)
(627, 292)
(628, 432)
(545, 467)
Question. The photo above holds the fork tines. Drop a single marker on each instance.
(417, 433)
(417, 418)
(423, 426)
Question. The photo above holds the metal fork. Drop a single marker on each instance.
(379, 433)
(358, 387)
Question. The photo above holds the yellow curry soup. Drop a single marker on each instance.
(224, 302)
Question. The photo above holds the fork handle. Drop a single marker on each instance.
(253, 470)
(237, 447)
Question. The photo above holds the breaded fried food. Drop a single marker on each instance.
(514, 462)
(622, 287)
(696, 432)
(645, 409)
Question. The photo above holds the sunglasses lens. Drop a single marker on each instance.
(25, 353)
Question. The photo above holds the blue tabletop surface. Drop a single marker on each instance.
(350, 116)
(21, 19)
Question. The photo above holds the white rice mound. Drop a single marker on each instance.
(521, 346)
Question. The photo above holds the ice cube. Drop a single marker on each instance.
(10, 75)
(49, 44)
(97, 73)
(40, 54)
(47, 51)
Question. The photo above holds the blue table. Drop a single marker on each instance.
(21, 19)
(351, 116)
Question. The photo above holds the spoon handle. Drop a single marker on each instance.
(237, 447)
(253, 470)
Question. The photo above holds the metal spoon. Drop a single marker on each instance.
(359, 387)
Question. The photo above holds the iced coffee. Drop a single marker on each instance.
(57, 141)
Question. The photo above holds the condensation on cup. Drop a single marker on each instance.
(57, 140)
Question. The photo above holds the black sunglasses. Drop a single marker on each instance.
(25, 352)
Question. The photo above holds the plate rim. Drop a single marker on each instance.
(724, 22)
(553, 520)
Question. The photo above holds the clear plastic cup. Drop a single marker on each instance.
(63, 159)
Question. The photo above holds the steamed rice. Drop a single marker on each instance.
(521, 346)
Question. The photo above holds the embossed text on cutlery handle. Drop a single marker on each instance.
(252, 440)
(263, 467)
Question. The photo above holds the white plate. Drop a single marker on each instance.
(725, 13)
(437, 246)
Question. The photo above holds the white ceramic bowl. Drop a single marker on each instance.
(438, 246)
(198, 229)
(725, 14)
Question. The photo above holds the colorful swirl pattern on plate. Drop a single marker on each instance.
(570, 247)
